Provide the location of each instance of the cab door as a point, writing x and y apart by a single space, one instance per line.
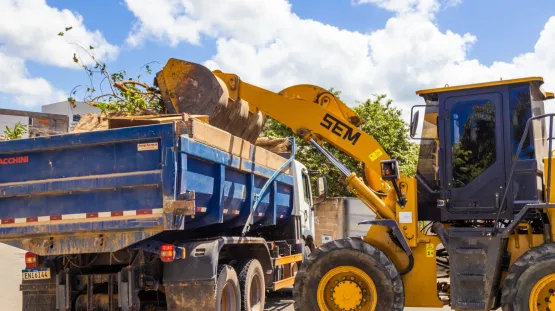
474 155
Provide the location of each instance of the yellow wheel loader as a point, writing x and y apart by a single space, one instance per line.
479 209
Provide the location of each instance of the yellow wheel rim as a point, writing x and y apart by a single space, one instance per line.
347 288
542 296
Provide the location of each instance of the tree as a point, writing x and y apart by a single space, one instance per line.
380 119
16 132
123 94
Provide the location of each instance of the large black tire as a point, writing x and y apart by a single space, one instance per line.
253 288
350 253
523 275
228 292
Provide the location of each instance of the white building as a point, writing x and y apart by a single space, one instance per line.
36 123
74 113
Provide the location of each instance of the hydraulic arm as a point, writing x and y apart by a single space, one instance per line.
312 113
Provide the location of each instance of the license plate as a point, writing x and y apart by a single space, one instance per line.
36 274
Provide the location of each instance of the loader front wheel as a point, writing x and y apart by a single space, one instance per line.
530 281
348 274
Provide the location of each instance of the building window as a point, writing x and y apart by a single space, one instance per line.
473 137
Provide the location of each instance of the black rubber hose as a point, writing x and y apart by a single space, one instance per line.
409 266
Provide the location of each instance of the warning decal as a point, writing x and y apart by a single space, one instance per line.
376 154
430 250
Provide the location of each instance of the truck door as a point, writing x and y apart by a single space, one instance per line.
474 155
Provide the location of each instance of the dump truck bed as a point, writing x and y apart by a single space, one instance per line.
107 190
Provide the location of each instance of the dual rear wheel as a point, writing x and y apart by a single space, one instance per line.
241 287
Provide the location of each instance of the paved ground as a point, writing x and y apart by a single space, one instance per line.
283 301
12 260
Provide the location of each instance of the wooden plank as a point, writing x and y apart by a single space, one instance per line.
119 122
288 282
267 158
288 259
220 139
199 130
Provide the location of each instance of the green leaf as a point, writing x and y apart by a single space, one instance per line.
61 34
75 59
69 28
91 47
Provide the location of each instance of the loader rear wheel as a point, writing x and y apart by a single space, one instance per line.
530 281
348 274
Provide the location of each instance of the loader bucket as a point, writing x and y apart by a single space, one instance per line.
192 88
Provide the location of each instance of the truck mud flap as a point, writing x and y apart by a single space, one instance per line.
191 296
38 295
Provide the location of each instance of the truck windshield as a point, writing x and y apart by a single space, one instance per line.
306 188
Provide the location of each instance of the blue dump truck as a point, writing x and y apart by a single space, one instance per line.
149 218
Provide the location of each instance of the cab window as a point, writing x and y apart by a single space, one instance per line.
520 111
428 164
473 137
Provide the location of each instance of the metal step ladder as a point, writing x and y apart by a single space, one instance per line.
475 257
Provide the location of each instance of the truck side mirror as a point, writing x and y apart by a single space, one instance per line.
322 187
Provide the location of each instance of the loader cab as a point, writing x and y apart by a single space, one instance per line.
468 137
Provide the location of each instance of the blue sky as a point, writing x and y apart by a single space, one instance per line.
362 47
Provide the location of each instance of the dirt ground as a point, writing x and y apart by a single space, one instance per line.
12 261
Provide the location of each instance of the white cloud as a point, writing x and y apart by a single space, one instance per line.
175 21
29 30
272 47
27 91
404 6
28 33
428 7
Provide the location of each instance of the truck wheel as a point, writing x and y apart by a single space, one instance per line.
348 274
251 280
228 294
530 281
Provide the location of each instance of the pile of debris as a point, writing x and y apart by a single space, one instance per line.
99 122
275 145
193 89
